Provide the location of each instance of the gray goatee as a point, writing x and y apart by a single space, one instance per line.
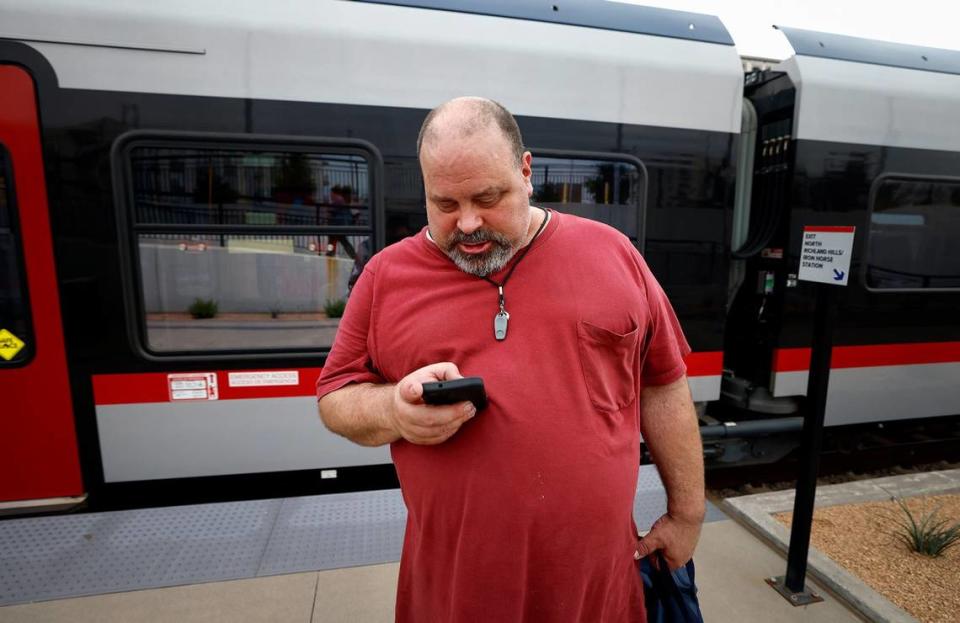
485 263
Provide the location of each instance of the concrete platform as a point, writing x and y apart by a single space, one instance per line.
731 567
313 559
356 594
85 554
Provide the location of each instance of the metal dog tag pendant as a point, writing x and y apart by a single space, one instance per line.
500 325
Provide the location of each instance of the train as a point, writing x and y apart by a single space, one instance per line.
187 195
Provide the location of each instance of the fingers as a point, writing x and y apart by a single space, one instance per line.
646 546
676 541
426 424
444 371
673 563
442 433
429 425
411 386
435 421
411 391
651 541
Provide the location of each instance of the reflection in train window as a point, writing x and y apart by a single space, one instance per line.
247 250
914 226
609 191
15 331
241 293
229 187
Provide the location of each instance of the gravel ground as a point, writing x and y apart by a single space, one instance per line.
860 538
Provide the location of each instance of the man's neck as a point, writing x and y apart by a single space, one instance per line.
535 223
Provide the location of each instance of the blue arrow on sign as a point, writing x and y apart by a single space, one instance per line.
838 275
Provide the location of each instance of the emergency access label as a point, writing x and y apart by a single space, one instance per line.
825 254
263 378
193 386
10 345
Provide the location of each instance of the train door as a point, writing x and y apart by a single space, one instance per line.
39 459
760 234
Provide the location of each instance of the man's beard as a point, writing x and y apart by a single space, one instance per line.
483 264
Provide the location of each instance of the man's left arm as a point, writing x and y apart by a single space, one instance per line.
672 434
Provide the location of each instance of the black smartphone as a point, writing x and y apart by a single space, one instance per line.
450 392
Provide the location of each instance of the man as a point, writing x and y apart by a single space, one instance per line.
523 511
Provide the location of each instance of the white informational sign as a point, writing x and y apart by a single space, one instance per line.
825 254
265 378
193 386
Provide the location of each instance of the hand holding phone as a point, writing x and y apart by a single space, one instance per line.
412 417
458 390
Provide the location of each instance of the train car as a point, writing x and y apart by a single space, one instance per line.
862 134
190 195
187 196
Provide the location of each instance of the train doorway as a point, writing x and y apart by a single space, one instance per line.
38 441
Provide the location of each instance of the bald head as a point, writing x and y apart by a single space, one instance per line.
465 116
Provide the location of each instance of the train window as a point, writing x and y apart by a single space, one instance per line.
245 249
914 225
604 188
15 331
220 187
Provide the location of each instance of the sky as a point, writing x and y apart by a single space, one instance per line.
930 23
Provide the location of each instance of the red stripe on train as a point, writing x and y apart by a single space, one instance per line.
115 389
708 363
914 353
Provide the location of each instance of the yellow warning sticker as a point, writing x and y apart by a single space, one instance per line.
10 345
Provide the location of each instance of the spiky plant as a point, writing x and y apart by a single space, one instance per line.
927 535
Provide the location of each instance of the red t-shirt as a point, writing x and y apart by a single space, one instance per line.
525 514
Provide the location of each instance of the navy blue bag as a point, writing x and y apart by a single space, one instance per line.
670 596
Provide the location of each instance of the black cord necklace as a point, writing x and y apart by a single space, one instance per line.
500 320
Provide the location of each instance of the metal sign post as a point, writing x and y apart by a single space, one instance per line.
825 259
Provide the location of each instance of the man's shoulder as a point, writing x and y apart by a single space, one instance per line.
594 232
406 250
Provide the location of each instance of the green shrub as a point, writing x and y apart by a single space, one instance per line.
334 309
927 534
203 308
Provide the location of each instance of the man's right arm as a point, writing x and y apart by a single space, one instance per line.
374 415
359 413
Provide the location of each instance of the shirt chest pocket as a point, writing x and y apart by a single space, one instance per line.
609 363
